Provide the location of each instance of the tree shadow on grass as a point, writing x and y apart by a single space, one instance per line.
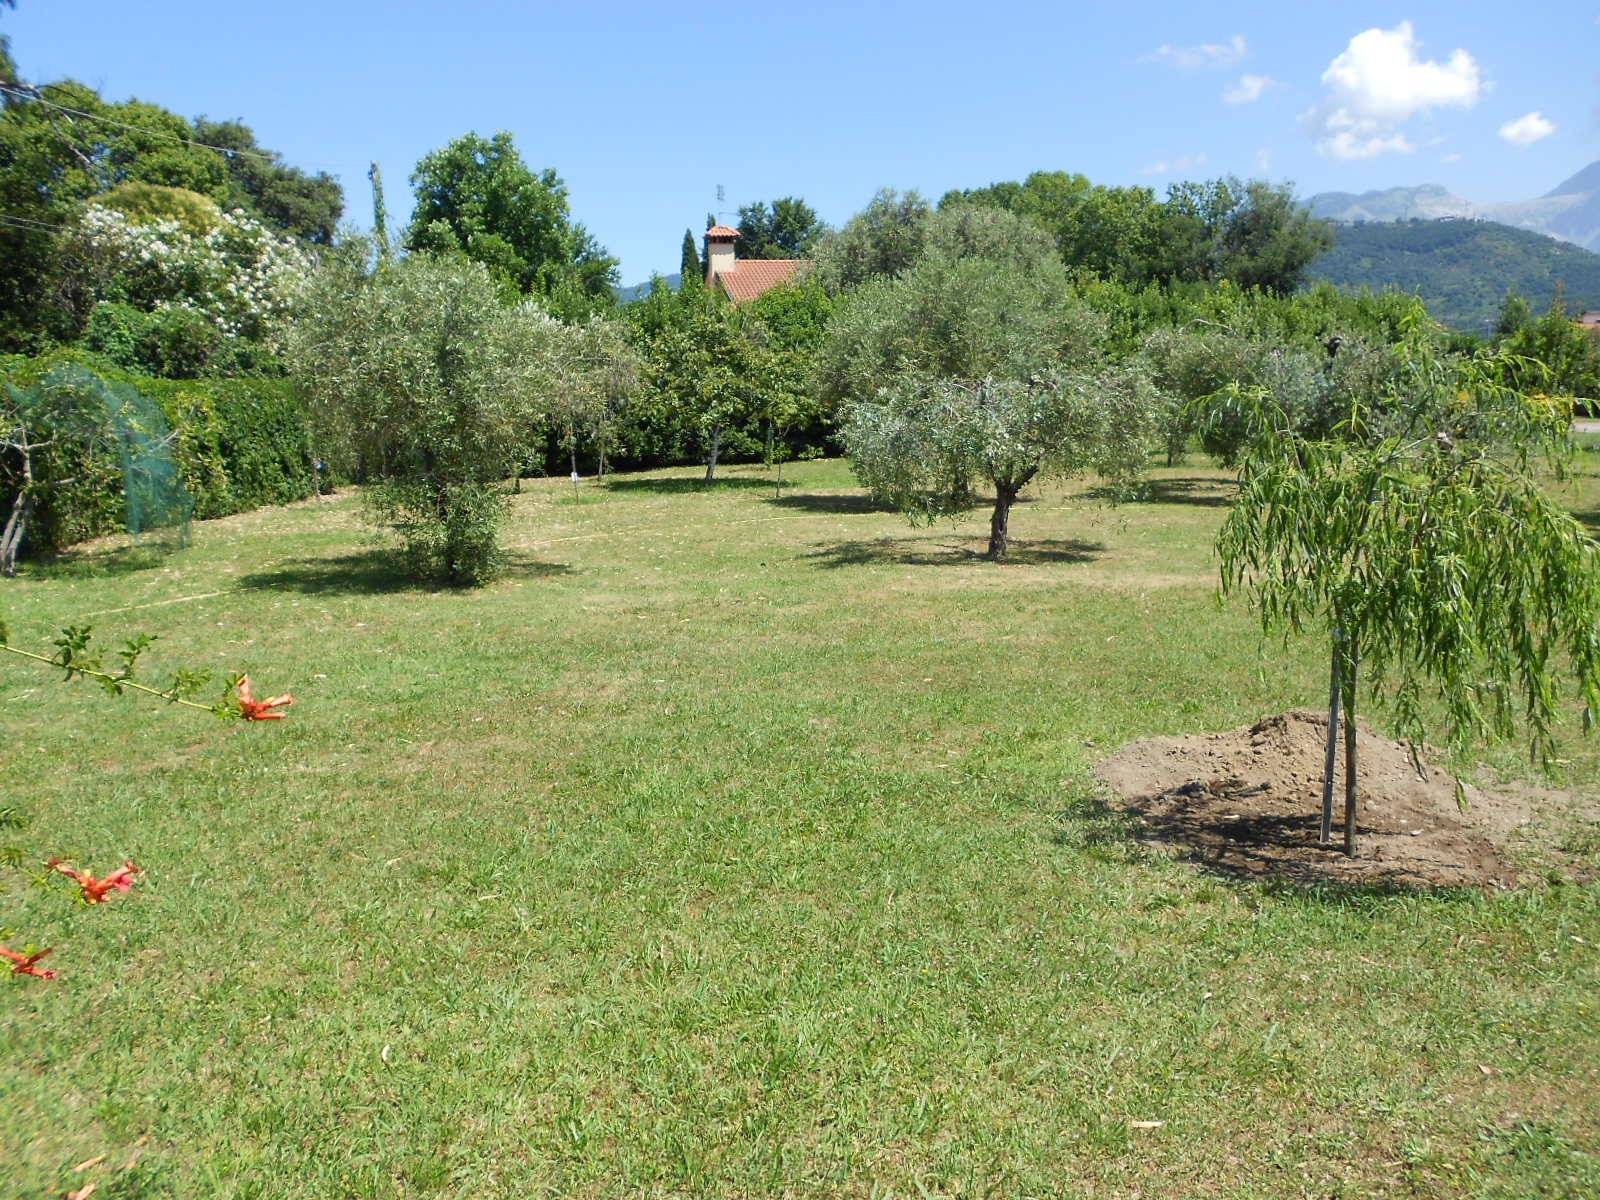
371 572
1589 519
683 486
101 561
1258 858
1200 490
1269 852
900 552
832 502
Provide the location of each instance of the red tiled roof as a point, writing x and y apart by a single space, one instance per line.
749 277
721 231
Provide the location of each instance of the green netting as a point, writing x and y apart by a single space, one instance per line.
156 500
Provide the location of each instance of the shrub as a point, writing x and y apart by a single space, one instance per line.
418 373
237 444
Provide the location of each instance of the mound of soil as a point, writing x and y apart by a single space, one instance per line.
1249 802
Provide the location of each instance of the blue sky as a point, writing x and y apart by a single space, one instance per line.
645 108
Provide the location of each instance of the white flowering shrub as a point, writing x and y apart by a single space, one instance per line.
241 276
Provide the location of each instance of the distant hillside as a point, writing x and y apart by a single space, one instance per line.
1461 268
1569 211
638 291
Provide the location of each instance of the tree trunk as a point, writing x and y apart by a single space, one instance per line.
711 458
1350 749
769 443
601 473
11 537
1334 696
21 507
1000 521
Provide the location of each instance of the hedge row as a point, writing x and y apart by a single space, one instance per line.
239 444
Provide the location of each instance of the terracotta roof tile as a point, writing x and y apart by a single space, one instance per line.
749 277
721 231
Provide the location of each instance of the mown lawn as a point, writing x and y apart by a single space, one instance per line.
742 848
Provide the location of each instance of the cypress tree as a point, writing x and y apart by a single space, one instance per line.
691 268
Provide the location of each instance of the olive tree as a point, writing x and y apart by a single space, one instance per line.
988 297
433 389
592 371
1417 535
919 443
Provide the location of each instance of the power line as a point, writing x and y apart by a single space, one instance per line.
27 223
29 92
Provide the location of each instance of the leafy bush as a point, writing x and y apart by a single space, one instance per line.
237 444
420 375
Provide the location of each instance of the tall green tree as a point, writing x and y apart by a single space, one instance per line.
302 205
788 228
702 381
690 268
477 198
987 296
882 239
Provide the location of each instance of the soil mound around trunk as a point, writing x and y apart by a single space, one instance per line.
1248 802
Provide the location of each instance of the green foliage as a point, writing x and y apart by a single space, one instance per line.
689 267
51 161
421 380
702 388
1417 534
1006 313
1568 353
918 444
147 203
477 199
1461 269
302 205
883 239
236 444
1252 233
788 229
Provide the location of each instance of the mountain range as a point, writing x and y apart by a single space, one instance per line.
1570 211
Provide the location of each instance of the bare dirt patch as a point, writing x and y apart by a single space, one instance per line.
1248 802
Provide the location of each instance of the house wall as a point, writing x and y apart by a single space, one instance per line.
719 257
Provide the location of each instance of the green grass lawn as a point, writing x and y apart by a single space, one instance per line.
734 847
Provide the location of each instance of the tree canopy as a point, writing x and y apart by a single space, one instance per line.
67 145
477 198
788 228
1253 233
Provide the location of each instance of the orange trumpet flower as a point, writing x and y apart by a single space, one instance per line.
96 891
252 709
23 964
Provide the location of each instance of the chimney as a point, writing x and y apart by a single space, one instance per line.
719 251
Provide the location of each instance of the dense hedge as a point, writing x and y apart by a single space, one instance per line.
240 444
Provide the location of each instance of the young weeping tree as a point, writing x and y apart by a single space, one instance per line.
919 443
1418 538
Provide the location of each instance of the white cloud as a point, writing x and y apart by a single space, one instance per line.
1264 160
1250 88
1207 54
1173 166
1453 157
1528 129
1377 83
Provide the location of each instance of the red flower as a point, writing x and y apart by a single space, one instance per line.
24 963
95 891
252 709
